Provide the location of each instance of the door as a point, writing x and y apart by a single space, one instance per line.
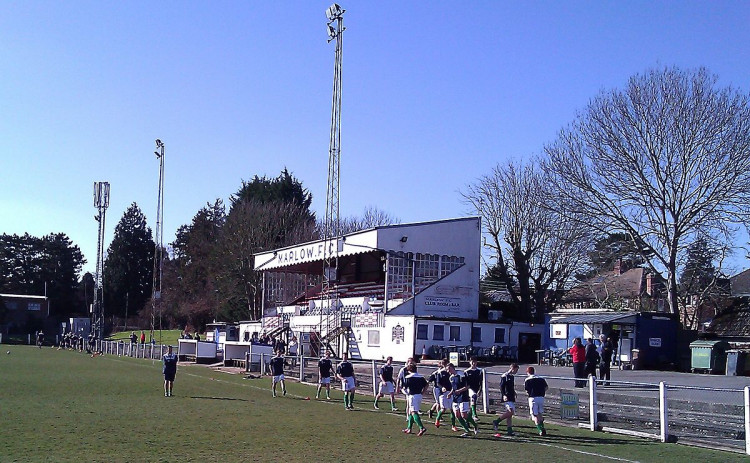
528 343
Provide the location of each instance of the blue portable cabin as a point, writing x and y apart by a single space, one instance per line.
652 334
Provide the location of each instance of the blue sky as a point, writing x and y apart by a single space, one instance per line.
434 95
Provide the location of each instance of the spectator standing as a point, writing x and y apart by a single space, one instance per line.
536 387
592 359
293 346
578 352
143 337
606 351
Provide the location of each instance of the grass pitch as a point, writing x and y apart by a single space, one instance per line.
63 406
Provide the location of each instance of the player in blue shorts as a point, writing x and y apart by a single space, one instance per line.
277 369
170 370
386 384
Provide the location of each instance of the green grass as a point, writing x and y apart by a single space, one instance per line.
65 406
168 337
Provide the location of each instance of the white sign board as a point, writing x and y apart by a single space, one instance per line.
453 358
654 342
558 331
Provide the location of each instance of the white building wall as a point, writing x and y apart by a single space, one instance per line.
396 339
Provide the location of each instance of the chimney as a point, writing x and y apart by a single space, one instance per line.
618 267
650 284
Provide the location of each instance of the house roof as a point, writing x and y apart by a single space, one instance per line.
626 285
734 322
740 284
607 317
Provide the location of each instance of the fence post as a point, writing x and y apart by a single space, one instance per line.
374 382
301 361
485 395
247 361
663 423
262 362
747 420
593 421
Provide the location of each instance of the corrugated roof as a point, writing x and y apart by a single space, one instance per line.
740 284
597 318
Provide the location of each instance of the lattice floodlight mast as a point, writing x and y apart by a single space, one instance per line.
159 243
332 224
101 203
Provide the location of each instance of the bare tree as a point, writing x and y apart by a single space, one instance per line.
666 160
372 217
252 227
537 248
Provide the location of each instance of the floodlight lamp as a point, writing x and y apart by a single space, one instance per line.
331 31
334 12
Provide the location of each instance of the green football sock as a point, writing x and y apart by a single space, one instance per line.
463 424
471 421
474 411
418 419
440 414
410 422
376 401
453 418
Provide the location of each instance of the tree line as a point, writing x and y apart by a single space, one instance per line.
660 168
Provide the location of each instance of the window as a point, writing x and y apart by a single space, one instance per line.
34 306
499 335
373 337
455 333
421 331
476 334
437 333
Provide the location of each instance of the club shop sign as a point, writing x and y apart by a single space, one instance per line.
306 253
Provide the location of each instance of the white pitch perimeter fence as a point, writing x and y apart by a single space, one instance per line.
711 417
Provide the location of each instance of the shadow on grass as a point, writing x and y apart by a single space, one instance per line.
218 398
530 434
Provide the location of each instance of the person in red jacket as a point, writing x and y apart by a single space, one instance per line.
579 360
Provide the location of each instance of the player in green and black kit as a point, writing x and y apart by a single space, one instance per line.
474 380
386 384
345 372
414 385
508 393
325 367
277 368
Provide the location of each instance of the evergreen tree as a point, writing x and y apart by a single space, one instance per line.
33 266
613 248
128 267
189 295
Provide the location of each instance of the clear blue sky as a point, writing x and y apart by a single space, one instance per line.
434 95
